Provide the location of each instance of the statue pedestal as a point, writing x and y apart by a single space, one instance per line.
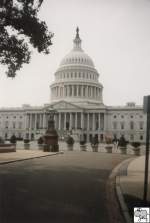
51 138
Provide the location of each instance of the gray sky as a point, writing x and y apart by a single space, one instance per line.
114 33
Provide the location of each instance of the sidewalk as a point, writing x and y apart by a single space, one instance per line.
21 155
130 184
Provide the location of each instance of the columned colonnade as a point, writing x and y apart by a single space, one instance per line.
76 91
67 121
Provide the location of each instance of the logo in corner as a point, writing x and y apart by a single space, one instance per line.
141 214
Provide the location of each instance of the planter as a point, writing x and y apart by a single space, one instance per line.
108 149
26 145
83 147
50 148
123 150
7 148
40 146
136 151
94 148
70 147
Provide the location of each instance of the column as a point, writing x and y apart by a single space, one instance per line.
41 123
35 121
93 127
98 93
55 120
68 90
82 91
59 125
70 122
99 121
25 121
56 91
30 121
72 90
86 91
65 121
82 120
39 120
77 90
76 119
88 121
44 121
105 122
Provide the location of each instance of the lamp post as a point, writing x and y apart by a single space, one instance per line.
146 110
51 136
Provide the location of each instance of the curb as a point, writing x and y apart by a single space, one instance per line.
123 206
121 200
115 213
30 158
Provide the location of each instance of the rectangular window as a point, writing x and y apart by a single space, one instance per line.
141 137
20 125
14 125
131 137
114 125
122 125
141 125
6 124
132 125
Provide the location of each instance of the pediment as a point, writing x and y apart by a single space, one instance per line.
65 105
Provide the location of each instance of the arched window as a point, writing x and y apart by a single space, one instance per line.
75 90
131 125
79 92
84 91
70 90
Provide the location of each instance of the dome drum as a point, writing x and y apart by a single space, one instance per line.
73 91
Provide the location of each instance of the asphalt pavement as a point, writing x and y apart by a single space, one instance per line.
69 188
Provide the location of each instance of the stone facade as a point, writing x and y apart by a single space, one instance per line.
76 95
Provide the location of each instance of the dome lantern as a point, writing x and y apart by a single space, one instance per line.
77 41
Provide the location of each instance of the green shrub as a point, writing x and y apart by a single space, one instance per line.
2 140
40 140
70 140
82 142
122 142
13 139
135 144
108 140
26 140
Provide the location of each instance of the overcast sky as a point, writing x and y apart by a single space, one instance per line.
114 33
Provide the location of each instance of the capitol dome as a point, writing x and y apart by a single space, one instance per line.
76 78
77 57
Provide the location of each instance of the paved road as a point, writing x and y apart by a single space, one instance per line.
67 188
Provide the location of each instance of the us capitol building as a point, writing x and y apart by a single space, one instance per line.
77 96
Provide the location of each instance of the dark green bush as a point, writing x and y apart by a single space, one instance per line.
82 142
2 140
13 139
122 142
70 140
26 140
40 140
135 144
